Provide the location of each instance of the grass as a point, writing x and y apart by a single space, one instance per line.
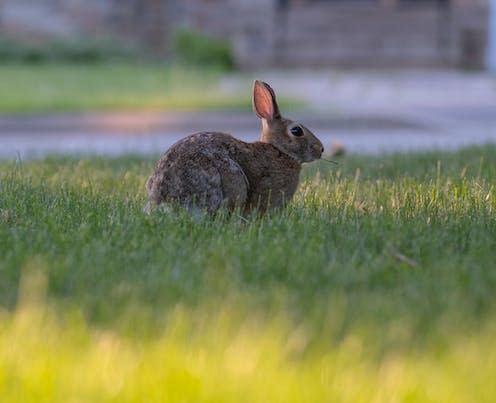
377 283
59 87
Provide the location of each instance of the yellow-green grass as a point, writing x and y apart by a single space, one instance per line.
28 88
203 356
377 283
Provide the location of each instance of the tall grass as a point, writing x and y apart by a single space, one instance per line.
376 284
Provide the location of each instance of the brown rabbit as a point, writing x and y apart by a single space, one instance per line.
210 170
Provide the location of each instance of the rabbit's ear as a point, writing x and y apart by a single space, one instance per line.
264 101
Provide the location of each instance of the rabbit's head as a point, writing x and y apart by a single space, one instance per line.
288 136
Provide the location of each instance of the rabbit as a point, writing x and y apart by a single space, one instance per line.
211 170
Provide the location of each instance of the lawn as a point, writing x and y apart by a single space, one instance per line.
378 283
58 87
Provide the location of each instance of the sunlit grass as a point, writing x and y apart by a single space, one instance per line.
377 283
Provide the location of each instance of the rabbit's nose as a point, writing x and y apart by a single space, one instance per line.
318 148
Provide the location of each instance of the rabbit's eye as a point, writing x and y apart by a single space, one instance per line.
297 131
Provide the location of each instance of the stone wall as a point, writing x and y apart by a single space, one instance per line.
268 33
45 18
356 34
138 21
373 34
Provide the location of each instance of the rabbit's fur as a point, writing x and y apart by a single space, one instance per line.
211 170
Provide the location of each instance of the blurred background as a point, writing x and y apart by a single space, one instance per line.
112 76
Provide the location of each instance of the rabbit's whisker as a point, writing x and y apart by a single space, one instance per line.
330 161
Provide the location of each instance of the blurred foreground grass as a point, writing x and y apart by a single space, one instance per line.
378 283
75 87
207 357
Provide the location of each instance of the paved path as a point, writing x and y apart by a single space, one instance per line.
366 112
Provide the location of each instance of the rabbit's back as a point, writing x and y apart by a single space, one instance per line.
200 171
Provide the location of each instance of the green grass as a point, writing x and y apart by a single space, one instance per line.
377 283
75 87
